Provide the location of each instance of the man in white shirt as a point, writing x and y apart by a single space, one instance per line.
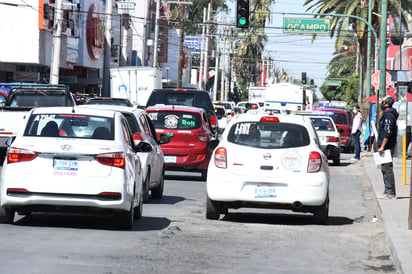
356 130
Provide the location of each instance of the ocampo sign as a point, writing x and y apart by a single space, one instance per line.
303 25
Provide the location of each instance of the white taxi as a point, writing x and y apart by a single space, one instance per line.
270 161
73 159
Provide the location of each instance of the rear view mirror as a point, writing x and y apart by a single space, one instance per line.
164 139
144 147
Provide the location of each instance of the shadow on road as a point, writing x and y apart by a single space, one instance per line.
283 219
79 221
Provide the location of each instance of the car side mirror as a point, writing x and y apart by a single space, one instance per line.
164 139
144 147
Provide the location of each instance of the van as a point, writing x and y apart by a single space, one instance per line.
185 97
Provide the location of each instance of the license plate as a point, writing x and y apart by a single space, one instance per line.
67 165
262 191
170 159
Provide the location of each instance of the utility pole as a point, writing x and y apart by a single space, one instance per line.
206 68
382 76
202 48
156 34
107 49
181 51
57 33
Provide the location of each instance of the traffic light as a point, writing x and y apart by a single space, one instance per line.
242 14
304 80
312 83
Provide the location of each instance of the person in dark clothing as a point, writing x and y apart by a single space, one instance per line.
387 135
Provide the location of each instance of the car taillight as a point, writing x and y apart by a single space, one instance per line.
221 158
16 155
332 139
315 162
115 159
232 113
213 121
203 136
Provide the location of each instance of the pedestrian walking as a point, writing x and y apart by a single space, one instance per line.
387 134
356 131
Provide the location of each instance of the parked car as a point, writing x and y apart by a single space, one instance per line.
190 135
150 154
222 119
343 121
73 159
270 161
109 101
186 97
329 137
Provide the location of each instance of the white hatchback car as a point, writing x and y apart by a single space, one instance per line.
271 162
329 137
73 159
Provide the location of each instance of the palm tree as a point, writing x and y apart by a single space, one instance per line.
340 26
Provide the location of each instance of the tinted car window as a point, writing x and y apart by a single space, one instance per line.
220 112
340 118
70 126
175 120
268 135
112 102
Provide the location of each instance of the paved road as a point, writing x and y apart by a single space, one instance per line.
175 237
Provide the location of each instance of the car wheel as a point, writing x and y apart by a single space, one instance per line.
336 160
138 211
146 188
6 215
203 176
213 209
157 192
321 213
126 219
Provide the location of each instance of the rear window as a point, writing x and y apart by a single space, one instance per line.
269 135
322 124
110 102
70 126
220 112
192 99
175 120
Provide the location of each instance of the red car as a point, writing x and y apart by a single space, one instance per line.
190 135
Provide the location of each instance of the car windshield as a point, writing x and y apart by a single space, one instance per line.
322 124
270 135
70 126
175 120
116 102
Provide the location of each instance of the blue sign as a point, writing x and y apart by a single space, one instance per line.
193 43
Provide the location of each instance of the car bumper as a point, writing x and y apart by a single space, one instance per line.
51 192
308 190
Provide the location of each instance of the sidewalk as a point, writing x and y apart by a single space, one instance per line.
395 212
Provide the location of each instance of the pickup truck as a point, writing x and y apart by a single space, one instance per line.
21 99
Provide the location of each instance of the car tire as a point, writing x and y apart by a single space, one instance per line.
138 210
126 219
336 160
145 188
321 213
213 209
203 176
157 192
6 215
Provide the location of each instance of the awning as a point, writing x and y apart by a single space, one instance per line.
390 92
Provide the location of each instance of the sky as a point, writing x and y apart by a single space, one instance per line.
296 53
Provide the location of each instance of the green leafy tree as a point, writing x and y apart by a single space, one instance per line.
341 26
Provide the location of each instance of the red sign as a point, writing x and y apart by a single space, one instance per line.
95 32
376 79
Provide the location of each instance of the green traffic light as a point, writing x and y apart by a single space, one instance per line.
242 21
